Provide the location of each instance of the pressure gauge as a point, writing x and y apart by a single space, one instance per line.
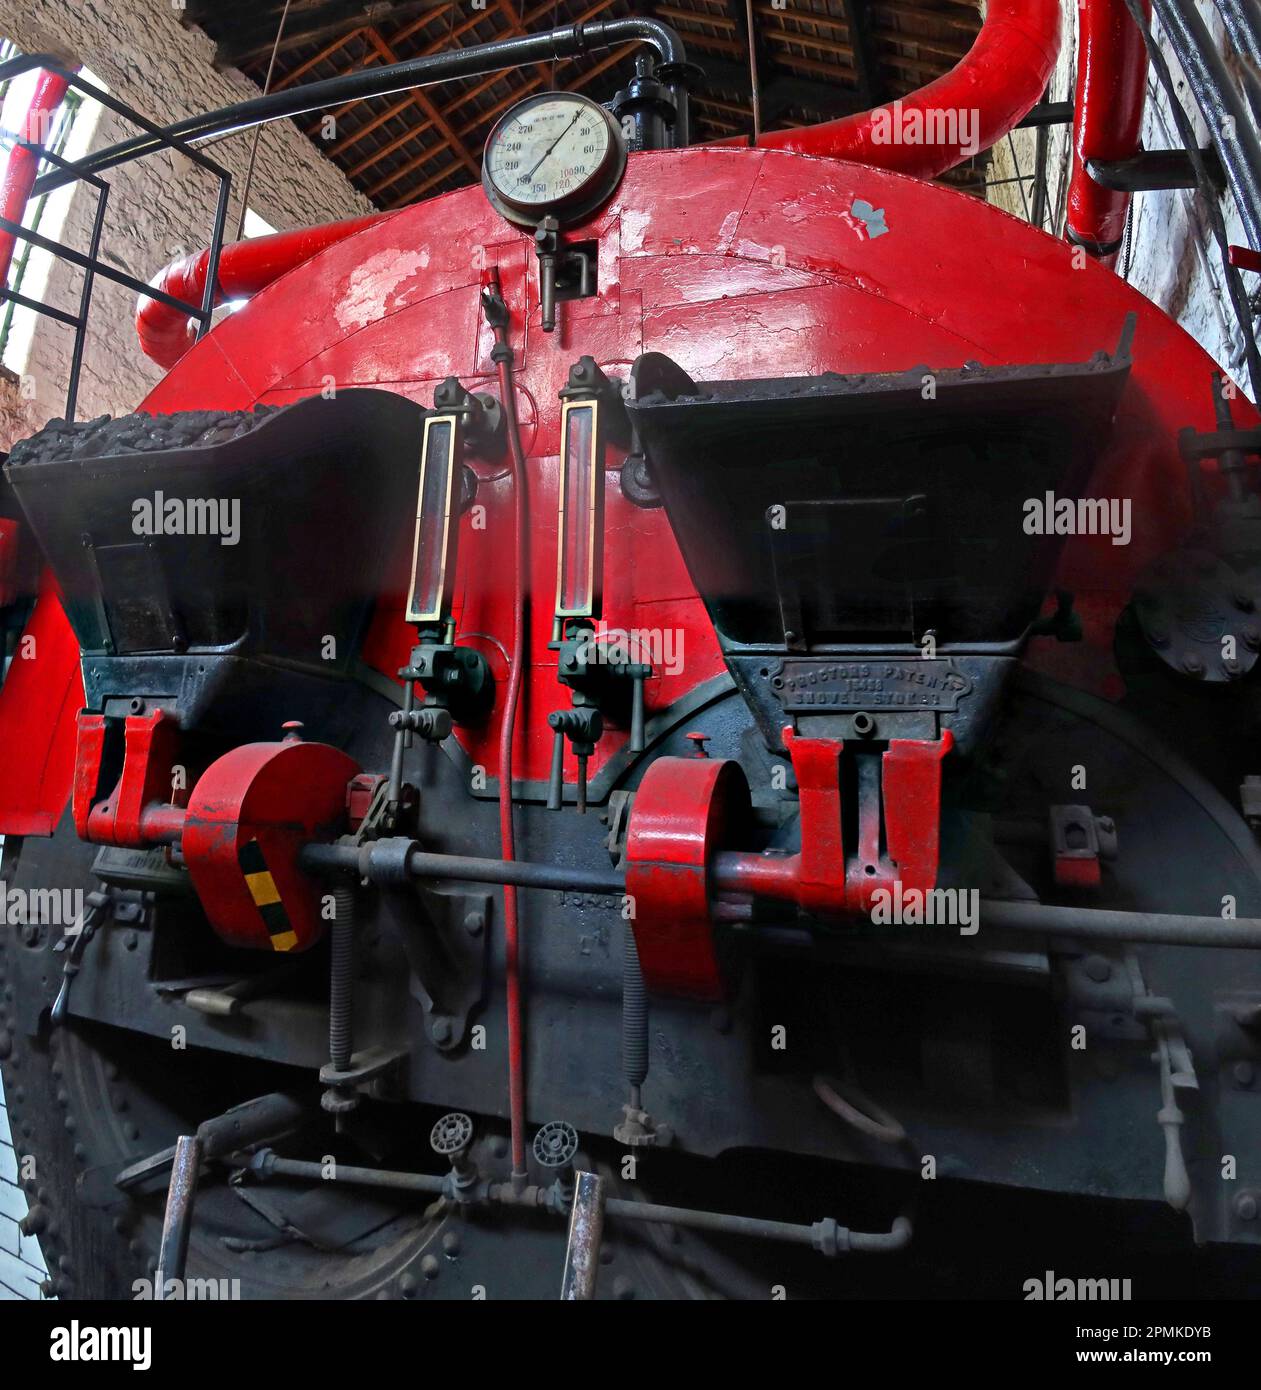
556 155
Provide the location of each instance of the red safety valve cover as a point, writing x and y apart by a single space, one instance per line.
249 816
686 809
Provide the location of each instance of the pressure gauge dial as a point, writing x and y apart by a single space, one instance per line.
557 155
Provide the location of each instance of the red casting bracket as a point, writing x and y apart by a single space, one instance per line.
819 879
688 810
139 810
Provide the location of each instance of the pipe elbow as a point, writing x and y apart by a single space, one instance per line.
166 333
1107 121
245 267
983 97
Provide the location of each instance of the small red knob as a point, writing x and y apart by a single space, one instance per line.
292 730
699 741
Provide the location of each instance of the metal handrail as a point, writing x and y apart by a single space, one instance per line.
67 171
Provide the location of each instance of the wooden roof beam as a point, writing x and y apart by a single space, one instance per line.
427 108
302 27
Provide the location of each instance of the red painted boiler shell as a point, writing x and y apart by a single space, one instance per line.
737 263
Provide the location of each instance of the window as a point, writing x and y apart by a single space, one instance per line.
70 136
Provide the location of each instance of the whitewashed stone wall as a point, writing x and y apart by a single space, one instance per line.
1173 259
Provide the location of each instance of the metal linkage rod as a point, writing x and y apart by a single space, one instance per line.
393 861
367 862
1098 924
568 41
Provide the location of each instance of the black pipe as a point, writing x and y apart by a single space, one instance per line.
1243 24
1212 207
826 1236
862 1242
267 1165
567 41
1152 171
1229 123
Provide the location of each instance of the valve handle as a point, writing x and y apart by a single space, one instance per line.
556 780
452 1134
584 727
637 741
555 1144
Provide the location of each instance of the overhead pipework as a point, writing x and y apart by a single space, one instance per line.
999 81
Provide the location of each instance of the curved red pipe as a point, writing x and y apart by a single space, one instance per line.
23 164
1108 116
245 268
985 95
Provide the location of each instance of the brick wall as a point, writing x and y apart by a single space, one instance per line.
159 208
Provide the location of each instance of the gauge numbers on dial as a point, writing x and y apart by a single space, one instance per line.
557 155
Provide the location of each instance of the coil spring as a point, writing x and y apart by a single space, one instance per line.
634 1014
341 977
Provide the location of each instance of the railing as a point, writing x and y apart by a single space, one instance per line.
91 262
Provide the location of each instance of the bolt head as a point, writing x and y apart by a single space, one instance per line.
1098 968
339 1101
35 1221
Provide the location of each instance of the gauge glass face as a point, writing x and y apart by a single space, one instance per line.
548 151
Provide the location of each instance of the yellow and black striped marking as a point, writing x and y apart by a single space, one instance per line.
262 888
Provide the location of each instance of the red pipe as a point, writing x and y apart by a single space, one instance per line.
245 268
503 358
1108 116
985 95
23 164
